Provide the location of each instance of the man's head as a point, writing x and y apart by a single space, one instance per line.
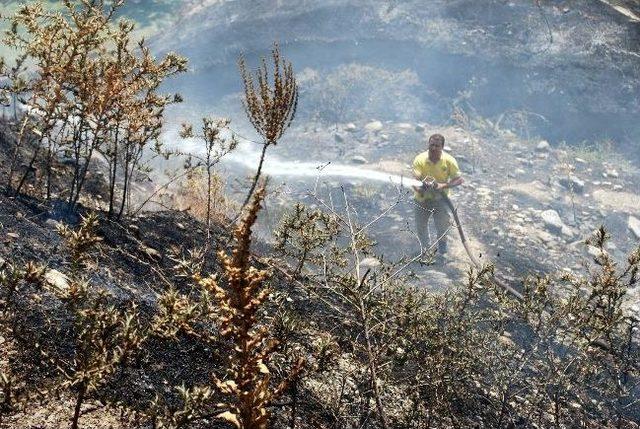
436 145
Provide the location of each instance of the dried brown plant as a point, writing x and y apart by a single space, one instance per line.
270 109
91 90
249 377
217 145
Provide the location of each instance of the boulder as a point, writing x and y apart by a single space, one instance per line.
634 226
350 127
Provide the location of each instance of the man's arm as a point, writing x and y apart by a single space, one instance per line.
456 181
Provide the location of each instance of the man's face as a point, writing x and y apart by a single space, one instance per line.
435 150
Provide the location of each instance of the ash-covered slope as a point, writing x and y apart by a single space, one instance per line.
574 63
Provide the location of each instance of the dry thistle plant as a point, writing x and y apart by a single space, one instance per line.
249 379
212 313
270 109
217 145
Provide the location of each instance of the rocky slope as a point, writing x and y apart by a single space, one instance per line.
575 64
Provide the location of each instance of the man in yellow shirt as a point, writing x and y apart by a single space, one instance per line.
439 171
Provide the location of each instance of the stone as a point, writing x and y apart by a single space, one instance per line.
370 262
545 236
358 159
618 187
151 252
350 127
57 279
180 226
552 221
52 223
13 235
373 126
594 251
543 146
338 138
572 183
612 173
634 226
419 128
567 231
580 161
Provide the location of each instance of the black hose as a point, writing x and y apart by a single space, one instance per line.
477 264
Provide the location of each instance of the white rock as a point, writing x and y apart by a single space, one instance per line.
572 183
634 225
56 279
552 221
359 160
351 127
370 262
373 127
543 146
613 173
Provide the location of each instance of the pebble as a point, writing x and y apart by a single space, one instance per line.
370 262
373 126
358 159
543 146
572 183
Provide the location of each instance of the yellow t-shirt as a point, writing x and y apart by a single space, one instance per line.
443 171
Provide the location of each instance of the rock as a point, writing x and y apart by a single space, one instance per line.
56 279
2 262
370 262
350 127
543 146
580 161
151 252
180 226
419 128
545 236
567 231
594 251
359 160
13 235
573 184
552 221
612 173
374 126
618 187
52 223
338 138
634 226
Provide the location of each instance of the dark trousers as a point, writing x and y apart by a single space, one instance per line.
424 210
